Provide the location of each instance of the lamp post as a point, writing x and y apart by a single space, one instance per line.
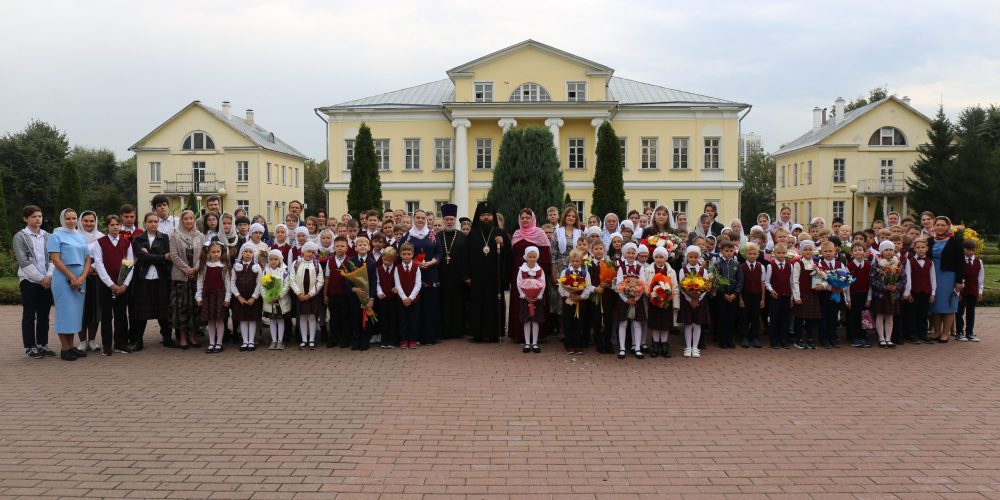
854 189
222 198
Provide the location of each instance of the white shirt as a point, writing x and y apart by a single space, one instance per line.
38 270
926 261
102 273
167 225
416 283
151 274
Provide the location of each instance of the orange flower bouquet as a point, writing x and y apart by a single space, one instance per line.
661 291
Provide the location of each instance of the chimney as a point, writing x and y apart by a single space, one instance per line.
250 117
227 110
838 107
817 118
906 99
824 116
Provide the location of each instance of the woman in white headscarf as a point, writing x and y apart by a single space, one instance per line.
68 250
610 227
186 246
87 227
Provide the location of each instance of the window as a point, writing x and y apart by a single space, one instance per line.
530 92
197 141
411 154
576 91
484 91
886 173
809 211
839 169
623 144
809 172
650 204
783 175
442 154
484 153
795 174
838 209
579 207
269 213
680 152
382 154
197 173
242 171
712 152
680 206
887 136
296 176
437 206
154 171
576 160
795 211
648 153
386 205
284 175
244 204
348 153
268 172
412 206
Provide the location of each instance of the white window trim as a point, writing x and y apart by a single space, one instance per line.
586 90
583 153
677 211
451 154
408 157
843 177
240 171
492 90
388 154
352 150
269 173
655 150
687 153
624 151
718 153
159 172
476 153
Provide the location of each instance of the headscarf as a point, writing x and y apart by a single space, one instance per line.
247 246
652 223
692 249
530 250
257 227
605 234
592 230
628 245
62 222
701 231
309 246
421 233
809 244
186 237
742 235
661 251
277 253
886 245
301 230
92 236
231 238
531 233
287 237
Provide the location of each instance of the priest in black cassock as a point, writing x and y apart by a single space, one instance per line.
489 260
453 272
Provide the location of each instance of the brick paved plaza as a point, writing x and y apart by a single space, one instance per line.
486 420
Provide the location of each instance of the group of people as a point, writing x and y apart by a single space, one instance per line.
400 280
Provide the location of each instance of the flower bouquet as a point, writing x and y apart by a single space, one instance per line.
532 289
661 291
632 288
670 242
970 234
891 274
818 277
607 272
791 257
694 286
123 271
272 287
575 284
839 279
716 280
419 258
358 276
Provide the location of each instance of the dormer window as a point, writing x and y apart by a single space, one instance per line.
530 92
197 141
887 136
483 91
576 91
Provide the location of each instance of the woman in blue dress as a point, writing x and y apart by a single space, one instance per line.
425 243
949 270
68 250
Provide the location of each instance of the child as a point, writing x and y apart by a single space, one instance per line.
245 283
306 284
361 331
829 309
378 245
921 285
34 271
574 305
629 309
261 248
407 279
109 253
693 313
752 297
805 297
661 319
778 282
860 267
242 230
213 292
324 254
972 294
886 296
727 297
336 296
279 307
602 316
387 305
531 320
301 238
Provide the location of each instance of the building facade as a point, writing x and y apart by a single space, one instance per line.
208 151
438 142
847 164
750 143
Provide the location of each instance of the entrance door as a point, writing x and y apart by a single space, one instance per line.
887 174
197 175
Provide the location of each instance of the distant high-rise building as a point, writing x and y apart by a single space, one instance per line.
750 143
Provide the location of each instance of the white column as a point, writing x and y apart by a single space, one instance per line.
462 165
885 207
864 212
904 213
554 124
596 123
506 123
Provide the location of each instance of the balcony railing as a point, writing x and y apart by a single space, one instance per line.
186 183
882 186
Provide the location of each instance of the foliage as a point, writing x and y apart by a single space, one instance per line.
567 200
758 192
70 195
106 182
314 179
609 183
5 232
930 187
365 191
874 95
527 173
29 162
191 203
879 211
8 265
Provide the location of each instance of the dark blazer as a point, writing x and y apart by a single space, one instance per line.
953 258
371 270
152 255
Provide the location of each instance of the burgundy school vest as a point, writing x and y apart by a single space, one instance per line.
213 280
751 278
805 280
386 279
629 270
407 280
113 255
920 276
972 277
336 284
781 279
862 275
284 249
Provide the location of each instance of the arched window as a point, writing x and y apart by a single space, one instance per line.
196 141
530 92
887 136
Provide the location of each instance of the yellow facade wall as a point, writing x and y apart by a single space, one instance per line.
533 65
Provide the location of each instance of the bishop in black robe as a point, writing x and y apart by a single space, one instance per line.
489 262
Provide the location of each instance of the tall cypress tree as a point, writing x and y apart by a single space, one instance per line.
527 173
192 202
609 183
365 191
70 195
929 184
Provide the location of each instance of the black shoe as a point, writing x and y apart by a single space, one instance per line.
79 352
621 354
756 343
638 354
745 343
655 353
44 349
106 351
169 343
68 355
666 349
535 349
527 349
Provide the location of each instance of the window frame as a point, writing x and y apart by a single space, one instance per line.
680 160
384 161
839 167
680 206
809 172
269 173
411 155
580 205
242 171
894 134
795 174
411 210
296 176
244 204
206 141
578 97
652 204
580 153
443 150
649 152
537 93
284 175
710 157
623 147
843 211
349 147
269 213
476 91
782 179
484 153
156 168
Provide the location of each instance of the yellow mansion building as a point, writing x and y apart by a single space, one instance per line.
209 151
845 165
438 142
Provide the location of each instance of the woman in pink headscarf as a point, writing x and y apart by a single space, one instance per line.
527 235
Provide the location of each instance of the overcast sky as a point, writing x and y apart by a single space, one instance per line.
108 72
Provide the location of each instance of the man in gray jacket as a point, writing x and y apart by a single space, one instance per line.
34 270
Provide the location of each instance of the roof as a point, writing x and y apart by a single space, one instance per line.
260 136
815 136
593 66
626 92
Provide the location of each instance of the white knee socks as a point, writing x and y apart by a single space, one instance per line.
307 324
249 330
277 330
530 333
883 325
692 335
215 330
636 335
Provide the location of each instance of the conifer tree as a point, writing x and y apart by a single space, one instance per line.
365 191
609 182
929 181
70 195
527 173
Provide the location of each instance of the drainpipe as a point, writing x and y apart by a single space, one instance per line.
327 135
739 128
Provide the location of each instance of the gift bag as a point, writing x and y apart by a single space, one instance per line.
867 322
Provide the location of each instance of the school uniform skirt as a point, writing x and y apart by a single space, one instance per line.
809 309
152 298
887 304
183 308
621 311
312 306
213 306
661 319
693 316
91 301
541 306
69 302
